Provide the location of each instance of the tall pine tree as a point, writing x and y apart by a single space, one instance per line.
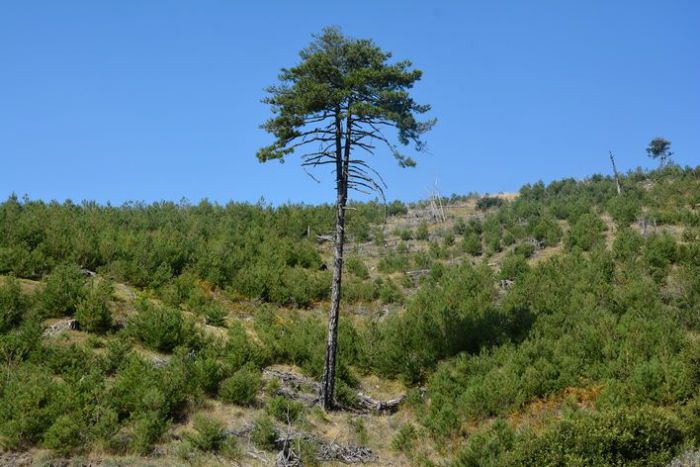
335 108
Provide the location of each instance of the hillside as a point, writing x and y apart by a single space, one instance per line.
556 326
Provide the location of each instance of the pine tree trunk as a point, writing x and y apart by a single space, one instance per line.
342 177
328 382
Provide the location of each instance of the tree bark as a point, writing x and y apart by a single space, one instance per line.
342 161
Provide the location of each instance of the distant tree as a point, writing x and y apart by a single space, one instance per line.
660 149
341 98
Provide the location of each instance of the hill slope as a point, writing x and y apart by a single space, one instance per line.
560 325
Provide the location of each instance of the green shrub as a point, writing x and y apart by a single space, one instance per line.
264 434
355 290
360 430
661 251
405 234
284 410
64 289
394 261
586 233
634 437
627 244
547 231
513 267
148 428
13 305
625 209
64 436
460 226
449 239
159 327
355 266
30 403
209 434
422 232
526 249
471 244
404 439
488 202
208 372
214 314
241 388
93 313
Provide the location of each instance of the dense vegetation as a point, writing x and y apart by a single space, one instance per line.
562 327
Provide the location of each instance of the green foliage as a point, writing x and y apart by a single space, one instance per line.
659 148
264 433
660 253
355 266
591 354
209 434
30 403
471 244
445 318
65 288
159 327
284 410
242 387
586 233
13 305
214 314
625 209
337 72
422 232
405 439
93 313
64 436
636 437
488 202
394 261
513 267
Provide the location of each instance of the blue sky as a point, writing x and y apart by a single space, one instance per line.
128 100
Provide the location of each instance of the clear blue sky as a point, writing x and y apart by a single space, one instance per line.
159 100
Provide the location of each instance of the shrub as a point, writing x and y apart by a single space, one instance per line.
264 434
93 313
404 439
148 427
64 289
214 314
30 402
241 388
634 437
355 266
12 304
488 202
547 230
526 249
586 232
471 244
460 227
284 410
513 267
159 327
65 435
422 232
209 434
449 239
624 209
404 234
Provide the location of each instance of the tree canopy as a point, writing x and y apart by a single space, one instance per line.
344 88
659 148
